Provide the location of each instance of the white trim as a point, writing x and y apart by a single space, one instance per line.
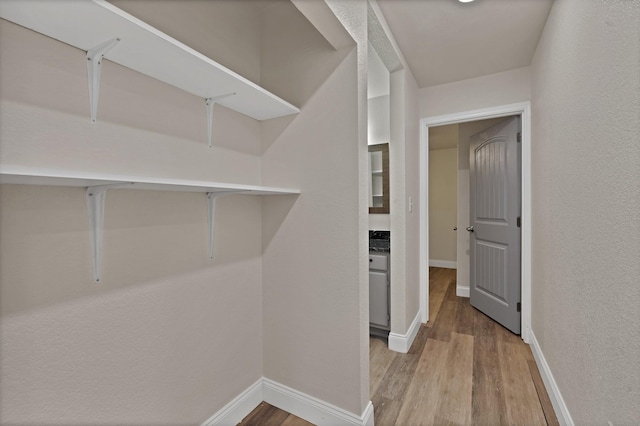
60 177
295 402
524 110
462 291
559 406
367 415
449 264
402 342
312 409
423 255
239 407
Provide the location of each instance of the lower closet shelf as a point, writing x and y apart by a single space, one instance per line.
97 185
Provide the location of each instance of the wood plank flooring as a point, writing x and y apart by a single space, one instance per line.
268 415
462 369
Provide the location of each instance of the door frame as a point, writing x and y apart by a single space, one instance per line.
523 109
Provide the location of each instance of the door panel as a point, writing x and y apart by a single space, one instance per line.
495 209
492 279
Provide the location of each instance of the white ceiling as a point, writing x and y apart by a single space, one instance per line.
445 40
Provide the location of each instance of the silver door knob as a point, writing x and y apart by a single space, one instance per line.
470 228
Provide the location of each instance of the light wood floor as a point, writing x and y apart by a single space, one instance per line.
462 369
268 415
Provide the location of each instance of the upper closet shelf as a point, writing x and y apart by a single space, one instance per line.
30 176
86 24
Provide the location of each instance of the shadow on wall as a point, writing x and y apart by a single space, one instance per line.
149 237
294 68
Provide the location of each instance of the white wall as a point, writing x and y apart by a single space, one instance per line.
482 92
314 324
379 131
377 74
379 120
412 214
586 199
353 16
227 32
403 172
168 336
379 117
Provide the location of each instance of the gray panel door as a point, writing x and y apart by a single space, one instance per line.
495 232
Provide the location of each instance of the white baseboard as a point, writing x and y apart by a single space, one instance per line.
310 408
462 291
297 403
562 412
239 407
449 264
402 342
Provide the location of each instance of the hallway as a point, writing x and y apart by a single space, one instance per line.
463 368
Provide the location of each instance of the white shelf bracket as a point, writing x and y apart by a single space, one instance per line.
95 203
211 201
210 102
94 62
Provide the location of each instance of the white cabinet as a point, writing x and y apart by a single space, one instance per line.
379 291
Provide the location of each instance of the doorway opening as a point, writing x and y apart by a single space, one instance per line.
523 111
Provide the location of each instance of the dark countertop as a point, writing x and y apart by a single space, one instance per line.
380 249
380 241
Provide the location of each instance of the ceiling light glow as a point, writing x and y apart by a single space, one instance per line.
465 1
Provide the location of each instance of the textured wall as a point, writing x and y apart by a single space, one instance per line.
586 204
144 127
352 15
397 207
312 288
443 204
475 93
378 131
377 74
412 166
169 336
227 32
378 121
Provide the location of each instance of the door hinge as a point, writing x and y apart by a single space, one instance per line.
519 137
518 222
518 307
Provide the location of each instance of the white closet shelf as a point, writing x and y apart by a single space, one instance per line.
32 176
86 24
98 184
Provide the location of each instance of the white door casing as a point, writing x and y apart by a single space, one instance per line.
522 109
